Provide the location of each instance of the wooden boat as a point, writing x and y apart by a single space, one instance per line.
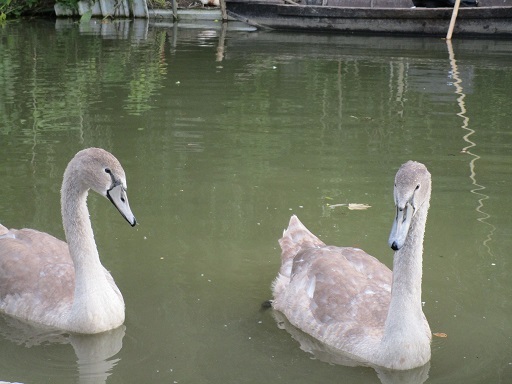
491 18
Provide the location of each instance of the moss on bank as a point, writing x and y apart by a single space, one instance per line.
17 8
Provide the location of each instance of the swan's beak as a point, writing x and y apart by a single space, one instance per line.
401 226
117 195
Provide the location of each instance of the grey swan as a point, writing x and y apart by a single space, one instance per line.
46 281
352 302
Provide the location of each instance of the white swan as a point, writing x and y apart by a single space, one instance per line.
46 281
352 302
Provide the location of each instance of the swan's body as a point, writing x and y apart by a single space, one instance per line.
352 302
46 281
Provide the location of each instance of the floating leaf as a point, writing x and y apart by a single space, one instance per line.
352 206
355 207
440 334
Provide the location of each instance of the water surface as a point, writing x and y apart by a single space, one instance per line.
223 135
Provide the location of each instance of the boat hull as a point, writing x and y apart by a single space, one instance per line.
471 21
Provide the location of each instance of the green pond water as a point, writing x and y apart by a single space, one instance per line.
223 135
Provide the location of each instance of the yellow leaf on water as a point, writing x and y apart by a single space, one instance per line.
353 206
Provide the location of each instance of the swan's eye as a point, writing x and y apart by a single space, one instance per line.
107 170
417 187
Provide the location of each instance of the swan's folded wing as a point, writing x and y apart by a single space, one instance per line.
348 286
35 268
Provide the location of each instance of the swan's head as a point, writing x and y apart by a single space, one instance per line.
99 170
412 192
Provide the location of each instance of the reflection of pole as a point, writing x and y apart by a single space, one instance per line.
459 90
222 41
478 188
452 21
174 38
340 94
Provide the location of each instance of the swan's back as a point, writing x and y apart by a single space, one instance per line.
34 284
339 295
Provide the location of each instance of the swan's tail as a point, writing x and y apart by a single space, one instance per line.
295 238
3 230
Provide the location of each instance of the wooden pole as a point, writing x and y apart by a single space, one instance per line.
223 11
174 6
452 21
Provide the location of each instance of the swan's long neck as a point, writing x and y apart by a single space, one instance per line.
80 237
405 322
95 302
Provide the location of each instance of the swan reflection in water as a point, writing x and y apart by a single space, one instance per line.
95 354
327 354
